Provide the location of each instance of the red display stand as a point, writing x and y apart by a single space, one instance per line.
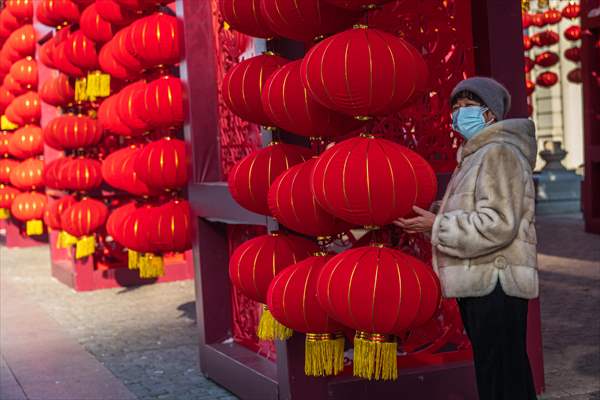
15 236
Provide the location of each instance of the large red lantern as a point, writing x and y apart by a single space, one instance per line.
122 51
546 59
70 132
81 51
305 20
112 11
571 10
57 91
28 175
21 9
547 79
163 164
109 119
29 141
27 107
7 196
385 72
136 230
51 170
28 206
84 217
356 4
62 63
255 263
94 26
573 54
23 40
292 300
13 86
379 292
296 208
573 33
371 182
287 104
7 165
575 76
57 13
118 170
246 17
25 72
250 179
55 209
171 227
157 40
81 174
130 107
552 16
110 65
114 222
243 85
163 102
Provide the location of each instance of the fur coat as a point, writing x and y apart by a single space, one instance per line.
484 230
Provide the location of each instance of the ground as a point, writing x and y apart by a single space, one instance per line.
143 341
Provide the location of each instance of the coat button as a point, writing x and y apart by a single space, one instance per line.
500 262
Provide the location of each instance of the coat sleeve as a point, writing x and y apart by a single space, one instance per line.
499 201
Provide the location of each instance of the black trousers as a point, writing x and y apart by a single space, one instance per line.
497 327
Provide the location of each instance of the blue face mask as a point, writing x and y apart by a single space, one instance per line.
469 121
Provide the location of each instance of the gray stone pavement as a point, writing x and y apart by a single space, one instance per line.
146 336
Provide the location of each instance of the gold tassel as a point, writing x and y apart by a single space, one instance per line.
375 356
86 246
133 259
270 329
151 266
323 354
34 227
4 213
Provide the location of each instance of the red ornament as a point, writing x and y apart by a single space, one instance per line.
114 222
56 13
118 170
171 227
296 208
529 87
25 72
112 11
51 172
571 11
356 4
575 76
527 43
94 26
547 79
62 63
55 209
545 38
13 86
28 206
109 119
546 59
28 141
250 179
287 104
130 106
163 164
84 217
245 16
81 174
23 40
110 65
28 175
573 33
57 91
6 167
552 16
7 196
243 85
306 20
254 264
529 64
386 72
121 50
371 182
21 9
70 132
81 51
573 54
136 230
163 102
157 40
538 20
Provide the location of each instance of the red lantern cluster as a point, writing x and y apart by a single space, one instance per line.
71 132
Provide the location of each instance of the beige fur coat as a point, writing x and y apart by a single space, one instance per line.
484 230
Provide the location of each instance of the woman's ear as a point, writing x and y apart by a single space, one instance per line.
489 116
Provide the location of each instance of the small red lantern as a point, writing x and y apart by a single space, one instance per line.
28 206
250 179
51 173
573 33
157 40
356 4
121 50
573 54
62 63
545 38
571 11
28 175
29 141
527 43
529 87
245 16
110 65
118 170
575 76
70 132
27 107
23 40
84 217
46 53
552 16
295 207
112 11
8 23
114 222
163 164
57 91
55 209
371 182
56 13
4 140
384 75
81 51
243 85
287 104
130 107
94 26
171 227
547 79
81 174
13 86
109 119
538 20
529 64
546 59
7 165
163 102
305 20
526 20
21 9
25 72
6 97
7 196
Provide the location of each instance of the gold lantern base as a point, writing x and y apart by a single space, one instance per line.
270 329
375 356
323 354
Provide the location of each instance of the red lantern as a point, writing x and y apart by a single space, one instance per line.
7 196
94 26
55 209
571 11
163 164
573 54
21 9
136 230
246 17
242 86
250 179
305 20
372 182
46 53
529 87
13 86
112 11
62 63
118 170
81 51
538 20
8 23
28 175
27 107
552 16
356 4
114 222
28 206
81 174
57 12
545 38
157 40
51 179
28 141
547 79
4 140
6 97
287 104
575 76
109 119
546 59
25 72
573 33
163 102
527 43
6 167
385 72
23 40
70 132
296 208
57 91
526 20
378 292
84 217
130 107
171 227
122 52
110 65
529 64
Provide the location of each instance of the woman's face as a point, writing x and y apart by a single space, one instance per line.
465 102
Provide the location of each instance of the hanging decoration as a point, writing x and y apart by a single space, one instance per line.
29 208
547 79
246 17
81 220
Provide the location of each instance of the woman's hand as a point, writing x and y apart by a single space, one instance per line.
422 223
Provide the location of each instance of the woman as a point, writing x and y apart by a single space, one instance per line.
483 236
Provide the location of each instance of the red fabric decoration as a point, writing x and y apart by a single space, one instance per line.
119 172
547 79
372 182
55 209
571 11
529 87
130 106
245 16
28 175
163 102
305 20
552 16
355 4
55 13
546 59
28 206
254 264
171 227
51 172
84 217
114 222
243 85
163 164
81 51
46 53
112 11
29 141
250 179
23 40
25 72
7 196
385 72
573 54
575 76
94 26
7 165
296 208
573 33
81 174
157 40
287 104
21 9
529 64
70 132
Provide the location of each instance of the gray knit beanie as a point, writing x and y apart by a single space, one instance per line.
493 93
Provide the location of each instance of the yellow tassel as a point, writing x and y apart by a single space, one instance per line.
34 227
4 213
86 246
270 329
65 240
323 354
151 266
375 356
133 259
